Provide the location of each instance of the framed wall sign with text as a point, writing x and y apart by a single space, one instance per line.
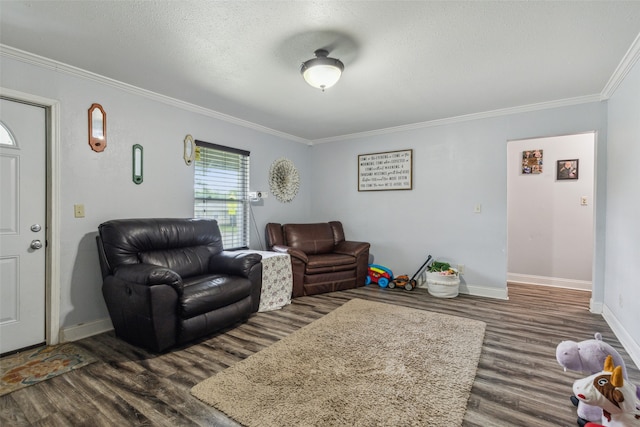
391 170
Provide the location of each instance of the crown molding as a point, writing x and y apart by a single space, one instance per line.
467 117
626 64
630 58
40 61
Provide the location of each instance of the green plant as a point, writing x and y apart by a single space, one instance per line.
439 266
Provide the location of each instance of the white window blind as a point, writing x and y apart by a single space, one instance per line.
221 187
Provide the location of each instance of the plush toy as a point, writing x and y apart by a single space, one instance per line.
588 357
611 392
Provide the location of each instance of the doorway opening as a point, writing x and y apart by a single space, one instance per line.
551 211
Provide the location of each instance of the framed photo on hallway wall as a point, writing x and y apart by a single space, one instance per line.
567 169
532 162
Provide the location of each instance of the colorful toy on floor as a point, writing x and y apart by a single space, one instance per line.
588 357
609 391
403 281
379 274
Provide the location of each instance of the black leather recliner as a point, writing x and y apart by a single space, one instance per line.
169 281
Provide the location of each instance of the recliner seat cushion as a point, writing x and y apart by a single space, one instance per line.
333 262
334 276
209 293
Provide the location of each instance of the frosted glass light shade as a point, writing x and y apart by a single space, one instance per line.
322 72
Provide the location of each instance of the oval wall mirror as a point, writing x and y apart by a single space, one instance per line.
189 150
97 128
137 164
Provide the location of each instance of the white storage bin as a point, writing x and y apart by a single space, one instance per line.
443 286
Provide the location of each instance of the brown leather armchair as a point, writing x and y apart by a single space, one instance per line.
321 259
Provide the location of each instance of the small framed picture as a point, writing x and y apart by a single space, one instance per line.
567 169
532 162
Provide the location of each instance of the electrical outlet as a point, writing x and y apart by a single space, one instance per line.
583 200
477 208
78 210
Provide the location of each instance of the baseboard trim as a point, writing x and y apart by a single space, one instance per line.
85 330
595 307
623 336
484 291
556 282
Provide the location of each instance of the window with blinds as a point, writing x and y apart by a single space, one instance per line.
221 187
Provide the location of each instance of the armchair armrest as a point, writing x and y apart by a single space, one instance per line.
234 263
149 274
351 248
295 253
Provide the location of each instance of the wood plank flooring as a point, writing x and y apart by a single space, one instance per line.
518 382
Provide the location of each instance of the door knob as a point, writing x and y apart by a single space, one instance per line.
36 244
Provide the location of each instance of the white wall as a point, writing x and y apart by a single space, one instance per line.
550 233
622 269
456 166
102 181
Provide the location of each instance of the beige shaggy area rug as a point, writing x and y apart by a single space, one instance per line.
364 364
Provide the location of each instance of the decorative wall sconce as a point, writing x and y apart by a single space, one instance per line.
189 150
97 128
137 163
284 180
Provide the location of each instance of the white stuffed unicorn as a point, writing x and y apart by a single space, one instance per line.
608 390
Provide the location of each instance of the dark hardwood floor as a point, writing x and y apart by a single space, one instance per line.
518 382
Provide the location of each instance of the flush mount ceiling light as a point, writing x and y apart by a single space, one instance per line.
322 72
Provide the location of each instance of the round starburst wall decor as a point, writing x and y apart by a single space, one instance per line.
284 180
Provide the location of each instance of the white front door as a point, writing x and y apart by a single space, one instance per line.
22 225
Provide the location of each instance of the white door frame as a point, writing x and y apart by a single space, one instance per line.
595 306
52 254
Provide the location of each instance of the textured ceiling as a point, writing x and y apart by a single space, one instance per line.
405 62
